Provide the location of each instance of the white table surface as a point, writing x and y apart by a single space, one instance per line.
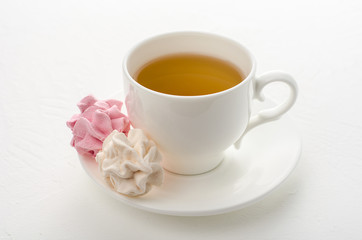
53 53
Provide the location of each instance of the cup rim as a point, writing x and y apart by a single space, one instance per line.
155 37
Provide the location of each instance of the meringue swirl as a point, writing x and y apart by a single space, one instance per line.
96 121
131 166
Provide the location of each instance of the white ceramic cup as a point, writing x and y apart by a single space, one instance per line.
192 132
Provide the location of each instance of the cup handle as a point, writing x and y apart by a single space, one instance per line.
273 113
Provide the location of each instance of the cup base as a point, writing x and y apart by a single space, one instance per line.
191 165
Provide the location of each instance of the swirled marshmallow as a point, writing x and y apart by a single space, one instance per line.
95 122
131 166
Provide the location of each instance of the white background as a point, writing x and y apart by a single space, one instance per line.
53 53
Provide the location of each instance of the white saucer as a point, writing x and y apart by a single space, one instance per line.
267 156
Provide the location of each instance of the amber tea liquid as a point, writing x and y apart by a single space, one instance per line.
188 75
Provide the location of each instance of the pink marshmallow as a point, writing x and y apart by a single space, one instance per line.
95 122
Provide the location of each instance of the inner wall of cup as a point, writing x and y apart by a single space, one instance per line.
189 42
